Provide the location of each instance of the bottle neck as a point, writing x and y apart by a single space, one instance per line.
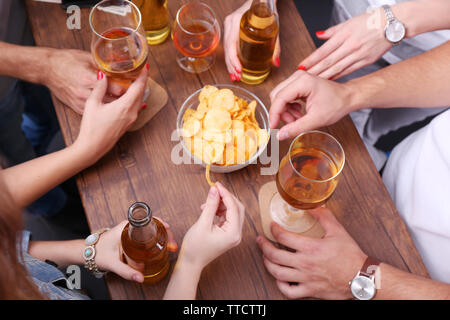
269 4
142 233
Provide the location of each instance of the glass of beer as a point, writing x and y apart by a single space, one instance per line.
118 44
155 14
306 179
196 35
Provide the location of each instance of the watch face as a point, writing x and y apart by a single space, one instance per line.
395 31
363 288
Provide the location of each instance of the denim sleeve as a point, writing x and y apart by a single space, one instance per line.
25 240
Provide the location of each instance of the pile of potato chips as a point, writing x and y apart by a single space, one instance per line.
223 130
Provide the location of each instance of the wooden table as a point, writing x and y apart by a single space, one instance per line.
139 167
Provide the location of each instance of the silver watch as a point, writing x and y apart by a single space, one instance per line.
395 30
363 285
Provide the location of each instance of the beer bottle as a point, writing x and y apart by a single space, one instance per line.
144 243
155 17
257 37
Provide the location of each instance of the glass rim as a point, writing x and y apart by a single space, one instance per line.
177 18
121 38
332 138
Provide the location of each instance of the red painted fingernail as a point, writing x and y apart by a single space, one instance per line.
99 75
147 66
144 107
277 61
237 70
232 77
301 67
320 33
238 77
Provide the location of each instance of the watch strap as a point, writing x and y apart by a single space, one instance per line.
369 267
389 14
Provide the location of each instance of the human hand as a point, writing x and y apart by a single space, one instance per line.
109 255
326 103
71 76
218 229
350 46
103 124
321 268
231 27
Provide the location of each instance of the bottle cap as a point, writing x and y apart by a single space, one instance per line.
139 214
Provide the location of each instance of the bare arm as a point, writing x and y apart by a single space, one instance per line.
422 82
327 274
69 74
423 16
26 63
360 41
183 282
30 180
401 285
63 253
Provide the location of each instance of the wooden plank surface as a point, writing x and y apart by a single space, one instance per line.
139 167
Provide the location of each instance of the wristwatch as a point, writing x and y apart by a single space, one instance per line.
363 284
395 30
89 252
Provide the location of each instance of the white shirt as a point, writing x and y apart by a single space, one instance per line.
417 176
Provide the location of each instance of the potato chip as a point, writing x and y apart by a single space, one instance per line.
263 137
188 114
218 152
217 119
202 109
191 127
208 178
223 129
206 92
218 136
238 125
223 98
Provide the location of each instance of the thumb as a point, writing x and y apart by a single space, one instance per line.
276 53
100 88
326 219
211 206
127 272
293 129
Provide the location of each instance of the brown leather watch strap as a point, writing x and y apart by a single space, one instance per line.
369 267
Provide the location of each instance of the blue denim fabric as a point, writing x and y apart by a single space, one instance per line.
50 281
41 124
13 143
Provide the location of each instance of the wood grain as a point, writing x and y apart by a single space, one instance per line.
139 167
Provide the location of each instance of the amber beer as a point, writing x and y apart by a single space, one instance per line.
144 243
303 185
257 37
119 65
202 43
155 16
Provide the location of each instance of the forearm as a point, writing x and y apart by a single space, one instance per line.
421 82
423 16
400 285
183 282
29 181
25 63
63 253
